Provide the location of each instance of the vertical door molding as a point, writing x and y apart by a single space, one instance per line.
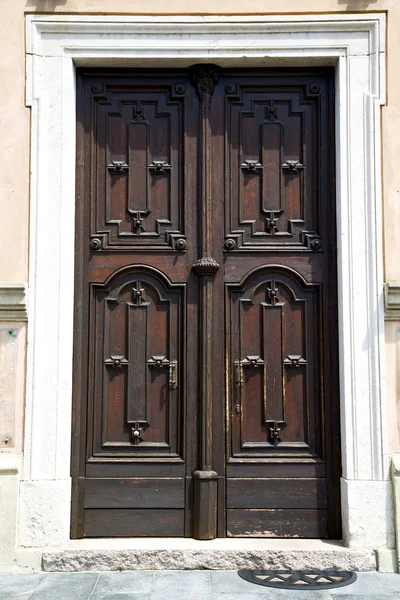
205 78
355 44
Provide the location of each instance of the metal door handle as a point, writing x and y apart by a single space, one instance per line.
173 374
161 362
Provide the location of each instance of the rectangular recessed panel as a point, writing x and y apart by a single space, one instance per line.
277 523
135 469
276 493
102 522
275 470
134 493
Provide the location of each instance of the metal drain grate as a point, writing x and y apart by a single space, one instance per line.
299 580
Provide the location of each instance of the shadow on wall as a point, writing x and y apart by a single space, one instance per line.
45 5
48 5
357 4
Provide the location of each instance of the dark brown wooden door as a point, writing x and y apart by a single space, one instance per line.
205 378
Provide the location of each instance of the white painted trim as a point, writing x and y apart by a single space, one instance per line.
355 43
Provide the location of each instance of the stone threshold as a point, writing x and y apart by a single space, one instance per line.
127 554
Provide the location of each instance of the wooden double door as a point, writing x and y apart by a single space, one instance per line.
205 365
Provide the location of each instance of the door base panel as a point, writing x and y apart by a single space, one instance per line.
258 522
129 522
227 554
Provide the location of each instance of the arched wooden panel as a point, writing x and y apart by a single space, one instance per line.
275 365
137 347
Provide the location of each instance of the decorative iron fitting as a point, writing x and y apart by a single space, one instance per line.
136 433
315 244
250 362
95 244
116 361
294 360
161 362
158 362
238 374
271 222
253 362
138 217
251 166
159 167
118 166
275 431
230 244
173 375
181 244
294 166
271 113
180 89
138 112
205 77
205 266
272 293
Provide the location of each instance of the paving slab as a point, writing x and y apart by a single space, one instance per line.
382 596
182 585
369 584
23 596
122 596
188 585
228 584
275 594
63 586
19 584
133 584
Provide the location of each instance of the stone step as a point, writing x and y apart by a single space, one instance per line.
226 554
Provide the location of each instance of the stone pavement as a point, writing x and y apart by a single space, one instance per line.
177 585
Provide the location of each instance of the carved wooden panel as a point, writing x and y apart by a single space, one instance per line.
205 212
137 381
272 168
138 166
275 365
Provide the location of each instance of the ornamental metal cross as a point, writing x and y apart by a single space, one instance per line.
271 220
138 292
137 433
137 220
275 431
272 293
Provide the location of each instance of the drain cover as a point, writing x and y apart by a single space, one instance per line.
299 580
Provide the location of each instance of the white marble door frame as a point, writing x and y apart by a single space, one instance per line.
355 45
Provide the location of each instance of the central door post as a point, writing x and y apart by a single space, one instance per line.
205 77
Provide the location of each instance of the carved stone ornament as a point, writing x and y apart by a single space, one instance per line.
205 266
205 77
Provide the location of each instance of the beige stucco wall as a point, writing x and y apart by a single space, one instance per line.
15 125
